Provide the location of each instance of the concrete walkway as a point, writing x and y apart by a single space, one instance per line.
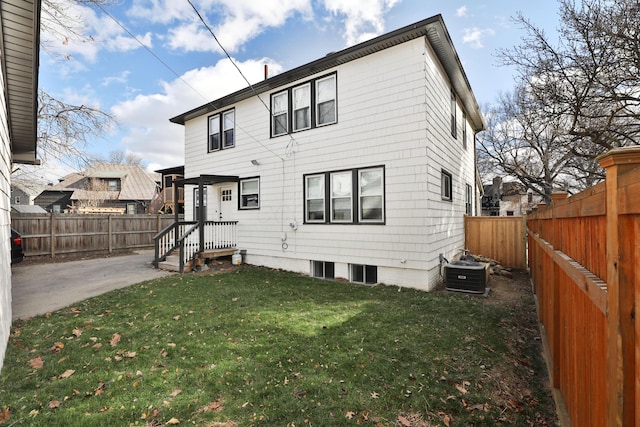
40 288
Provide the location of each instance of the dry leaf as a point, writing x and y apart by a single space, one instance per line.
67 373
176 317
403 421
349 415
130 354
461 389
77 332
100 389
54 404
173 421
115 339
36 363
57 346
175 392
375 395
5 414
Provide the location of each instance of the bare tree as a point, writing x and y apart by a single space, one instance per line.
123 158
64 129
589 81
523 142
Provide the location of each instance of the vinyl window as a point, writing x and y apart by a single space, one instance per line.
314 198
364 274
323 269
454 107
371 195
221 131
326 100
250 193
341 199
280 113
446 186
302 107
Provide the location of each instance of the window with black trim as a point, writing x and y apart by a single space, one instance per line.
308 105
249 193
323 269
454 124
469 200
354 196
464 130
280 113
446 185
364 274
221 131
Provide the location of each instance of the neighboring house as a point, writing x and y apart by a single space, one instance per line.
19 50
508 199
167 199
24 193
362 170
103 188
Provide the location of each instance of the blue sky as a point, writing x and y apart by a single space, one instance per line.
116 73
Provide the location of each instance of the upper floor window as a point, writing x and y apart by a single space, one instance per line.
354 196
469 200
454 107
280 112
306 106
221 131
464 130
250 193
326 100
113 184
302 107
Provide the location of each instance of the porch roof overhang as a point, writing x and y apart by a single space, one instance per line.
207 180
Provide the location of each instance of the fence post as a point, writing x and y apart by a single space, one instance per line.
109 234
620 291
555 290
52 236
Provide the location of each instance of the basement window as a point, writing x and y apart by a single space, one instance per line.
323 269
367 274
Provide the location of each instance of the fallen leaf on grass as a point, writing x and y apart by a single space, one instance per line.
173 421
115 339
5 414
175 392
57 346
67 373
375 395
461 389
36 363
403 421
54 404
77 332
130 354
349 415
34 412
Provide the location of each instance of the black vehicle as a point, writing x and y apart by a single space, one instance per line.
17 253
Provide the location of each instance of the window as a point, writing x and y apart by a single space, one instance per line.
57 209
323 269
249 193
371 195
354 196
222 131
341 203
326 100
16 200
280 115
464 130
509 213
228 129
226 195
113 184
196 204
364 274
214 133
454 124
302 107
314 195
446 186
469 200
306 106
131 208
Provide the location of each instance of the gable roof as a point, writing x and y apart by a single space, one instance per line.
135 183
432 28
19 50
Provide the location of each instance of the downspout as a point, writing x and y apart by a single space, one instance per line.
201 213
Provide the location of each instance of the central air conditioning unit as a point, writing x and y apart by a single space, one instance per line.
466 276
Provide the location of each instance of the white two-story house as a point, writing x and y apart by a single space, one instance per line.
358 166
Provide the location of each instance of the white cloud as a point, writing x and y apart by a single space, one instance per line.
146 117
234 22
461 11
120 78
363 19
474 36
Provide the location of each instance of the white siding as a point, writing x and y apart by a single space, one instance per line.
5 226
393 110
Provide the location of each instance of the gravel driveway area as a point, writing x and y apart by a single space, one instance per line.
41 288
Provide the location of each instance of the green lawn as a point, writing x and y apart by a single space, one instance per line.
260 347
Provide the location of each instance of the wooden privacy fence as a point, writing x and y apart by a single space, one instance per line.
500 238
56 234
583 253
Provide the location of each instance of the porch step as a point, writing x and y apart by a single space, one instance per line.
172 263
